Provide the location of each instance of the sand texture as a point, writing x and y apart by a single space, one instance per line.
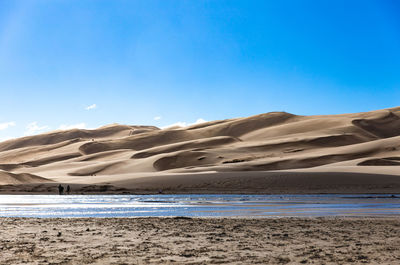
200 241
272 152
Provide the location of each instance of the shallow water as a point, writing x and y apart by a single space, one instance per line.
199 205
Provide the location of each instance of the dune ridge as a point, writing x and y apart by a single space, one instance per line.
22 178
365 143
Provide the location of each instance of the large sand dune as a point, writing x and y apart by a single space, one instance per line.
272 152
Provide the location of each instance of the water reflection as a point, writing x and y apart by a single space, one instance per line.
198 205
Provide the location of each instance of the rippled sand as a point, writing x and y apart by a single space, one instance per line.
200 240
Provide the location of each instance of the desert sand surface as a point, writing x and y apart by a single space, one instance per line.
267 153
200 241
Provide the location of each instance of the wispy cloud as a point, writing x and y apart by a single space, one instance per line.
176 124
184 124
2 139
157 118
64 127
198 121
93 106
6 125
34 128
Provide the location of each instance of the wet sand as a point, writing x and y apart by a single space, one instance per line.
246 182
200 241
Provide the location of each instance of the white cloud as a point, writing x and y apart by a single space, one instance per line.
64 127
184 124
34 128
179 124
2 139
157 118
93 106
199 120
6 125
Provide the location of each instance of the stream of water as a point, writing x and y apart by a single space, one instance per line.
199 205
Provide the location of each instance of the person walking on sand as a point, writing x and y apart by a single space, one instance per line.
60 189
68 189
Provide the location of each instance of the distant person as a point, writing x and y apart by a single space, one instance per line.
68 189
60 189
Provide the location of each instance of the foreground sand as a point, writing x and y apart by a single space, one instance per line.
200 241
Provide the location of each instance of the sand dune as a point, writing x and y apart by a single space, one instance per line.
367 144
7 178
110 131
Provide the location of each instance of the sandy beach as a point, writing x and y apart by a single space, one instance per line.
200 241
253 182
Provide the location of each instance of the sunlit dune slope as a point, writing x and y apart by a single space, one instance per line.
7 178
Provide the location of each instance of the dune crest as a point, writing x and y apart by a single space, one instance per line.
7 178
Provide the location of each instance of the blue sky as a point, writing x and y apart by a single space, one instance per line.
162 62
